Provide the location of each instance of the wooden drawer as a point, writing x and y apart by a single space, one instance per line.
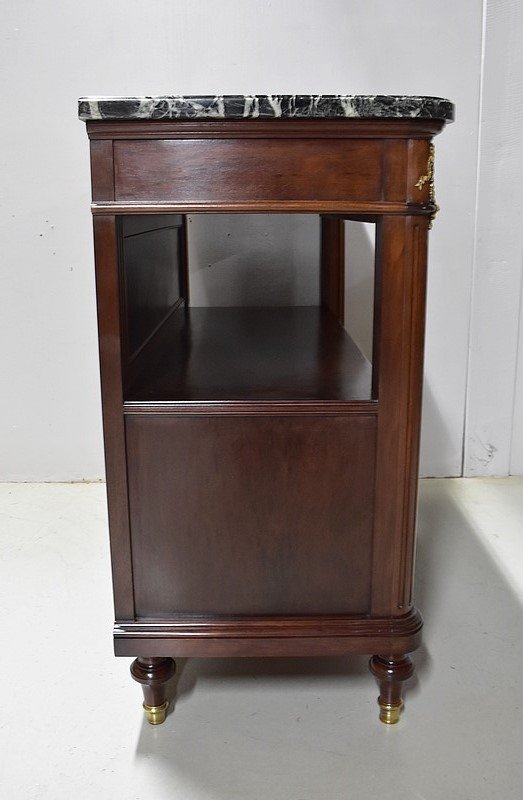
226 171
251 515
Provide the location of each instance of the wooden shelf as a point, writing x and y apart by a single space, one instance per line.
239 353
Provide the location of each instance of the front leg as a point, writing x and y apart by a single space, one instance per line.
154 673
391 672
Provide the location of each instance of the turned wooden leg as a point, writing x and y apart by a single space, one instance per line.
391 672
154 673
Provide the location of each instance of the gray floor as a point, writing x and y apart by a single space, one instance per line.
71 723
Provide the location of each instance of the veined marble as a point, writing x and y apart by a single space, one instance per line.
301 106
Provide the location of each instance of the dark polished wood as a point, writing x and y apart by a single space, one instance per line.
411 129
348 209
251 524
258 407
332 280
110 324
102 178
261 482
306 635
391 672
240 353
402 248
214 170
154 673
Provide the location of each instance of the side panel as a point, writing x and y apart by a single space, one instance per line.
248 515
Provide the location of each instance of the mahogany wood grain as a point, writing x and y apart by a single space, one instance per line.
406 129
248 523
248 354
395 157
277 626
332 284
225 171
257 407
391 672
102 172
109 328
310 635
344 208
402 278
153 674
248 515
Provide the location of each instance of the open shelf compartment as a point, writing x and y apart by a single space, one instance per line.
176 352
278 353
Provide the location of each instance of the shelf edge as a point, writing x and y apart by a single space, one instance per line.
255 407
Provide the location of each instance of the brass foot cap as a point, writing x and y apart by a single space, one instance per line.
156 714
390 714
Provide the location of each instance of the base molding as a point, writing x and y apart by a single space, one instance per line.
269 636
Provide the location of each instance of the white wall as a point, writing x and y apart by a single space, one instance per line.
52 52
494 424
254 259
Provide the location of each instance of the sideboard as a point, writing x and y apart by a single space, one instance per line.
261 472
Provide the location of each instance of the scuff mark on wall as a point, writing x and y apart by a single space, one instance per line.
481 454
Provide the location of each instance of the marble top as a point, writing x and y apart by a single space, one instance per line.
303 106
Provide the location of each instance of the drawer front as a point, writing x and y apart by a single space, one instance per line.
246 515
228 171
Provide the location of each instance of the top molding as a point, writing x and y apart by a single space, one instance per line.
290 106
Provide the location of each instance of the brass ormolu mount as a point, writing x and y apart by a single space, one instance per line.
429 178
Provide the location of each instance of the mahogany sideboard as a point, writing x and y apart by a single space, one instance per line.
261 472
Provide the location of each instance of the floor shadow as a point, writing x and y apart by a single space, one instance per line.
306 728
440 451
231 669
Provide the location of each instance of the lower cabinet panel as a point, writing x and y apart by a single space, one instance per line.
251 515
